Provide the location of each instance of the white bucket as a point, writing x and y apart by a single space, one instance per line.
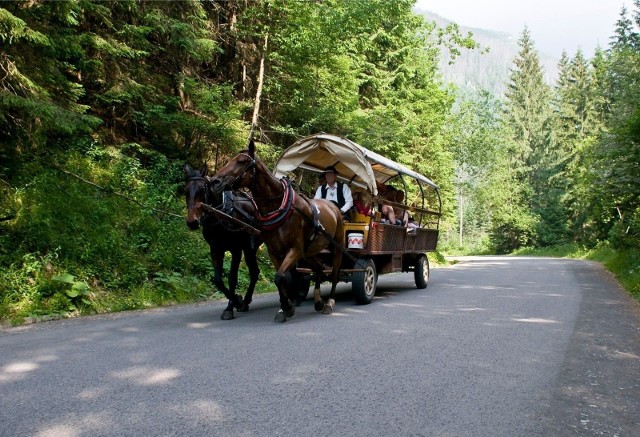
355 240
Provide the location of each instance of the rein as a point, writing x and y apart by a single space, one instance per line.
224 211
319 229
252 165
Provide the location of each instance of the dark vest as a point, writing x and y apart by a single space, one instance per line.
323 193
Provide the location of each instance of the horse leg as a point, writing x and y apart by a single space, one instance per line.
287 309
236 256
318 302
251 259
335 270
335 274
217 257
317 267
301 287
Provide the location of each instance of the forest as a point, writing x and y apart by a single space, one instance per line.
102 103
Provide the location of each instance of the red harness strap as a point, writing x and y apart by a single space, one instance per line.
276 218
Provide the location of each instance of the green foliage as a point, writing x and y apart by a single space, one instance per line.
624 264
120 94
527 122
67 235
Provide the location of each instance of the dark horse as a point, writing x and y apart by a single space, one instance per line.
292 226
222 236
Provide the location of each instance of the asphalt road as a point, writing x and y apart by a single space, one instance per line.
495 346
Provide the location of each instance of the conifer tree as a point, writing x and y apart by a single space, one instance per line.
528 118
624 36
578 123
616 158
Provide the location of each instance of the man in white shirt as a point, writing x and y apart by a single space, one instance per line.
337 192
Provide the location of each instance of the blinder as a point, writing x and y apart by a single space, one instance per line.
250 165
206 186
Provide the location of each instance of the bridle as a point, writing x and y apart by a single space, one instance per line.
226 206
250 165
206 186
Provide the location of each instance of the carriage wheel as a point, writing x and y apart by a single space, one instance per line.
364 283
421 272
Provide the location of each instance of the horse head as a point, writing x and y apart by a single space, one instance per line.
196 187
239 172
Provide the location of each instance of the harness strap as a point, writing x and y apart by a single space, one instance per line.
276 218
319 229
317 226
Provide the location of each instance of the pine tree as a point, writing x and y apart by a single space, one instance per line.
528 118
40 90
624 35
578 122
617 155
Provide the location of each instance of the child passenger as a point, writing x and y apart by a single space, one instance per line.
362 203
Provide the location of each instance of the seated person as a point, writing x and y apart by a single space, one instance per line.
402 217
388 213
362 203
395 215
337 192
322 180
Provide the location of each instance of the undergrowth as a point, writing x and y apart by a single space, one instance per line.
74 249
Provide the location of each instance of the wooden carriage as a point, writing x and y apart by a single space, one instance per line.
373 247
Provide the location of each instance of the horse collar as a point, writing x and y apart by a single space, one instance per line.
276 218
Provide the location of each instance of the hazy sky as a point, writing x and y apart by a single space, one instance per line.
554 24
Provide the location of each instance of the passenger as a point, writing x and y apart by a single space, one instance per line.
388 214
337 192
321 179
402 217
362 203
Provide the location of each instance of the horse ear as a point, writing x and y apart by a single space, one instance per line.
252 148
204 170
186 168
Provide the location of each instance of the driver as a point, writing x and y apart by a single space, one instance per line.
337 192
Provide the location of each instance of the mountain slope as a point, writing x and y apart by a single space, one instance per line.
486 68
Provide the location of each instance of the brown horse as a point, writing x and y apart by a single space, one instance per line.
222 236
293 227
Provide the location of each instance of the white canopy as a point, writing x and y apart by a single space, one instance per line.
352 161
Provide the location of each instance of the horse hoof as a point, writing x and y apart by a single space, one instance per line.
243 308
237 301
328 309
319 306
280 317
227 315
